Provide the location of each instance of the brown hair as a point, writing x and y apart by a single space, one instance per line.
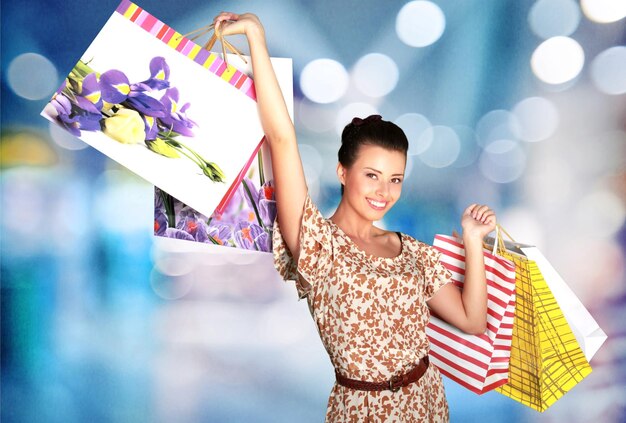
370 131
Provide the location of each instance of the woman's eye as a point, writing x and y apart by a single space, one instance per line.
396 180
372 175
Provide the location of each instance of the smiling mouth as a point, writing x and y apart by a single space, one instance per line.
378 205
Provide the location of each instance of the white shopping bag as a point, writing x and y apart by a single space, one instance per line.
588 333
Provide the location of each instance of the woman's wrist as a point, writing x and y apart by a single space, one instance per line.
255 33
470 240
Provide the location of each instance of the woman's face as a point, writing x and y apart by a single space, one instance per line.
373 184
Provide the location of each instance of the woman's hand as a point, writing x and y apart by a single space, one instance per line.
467 309
478 221
228 23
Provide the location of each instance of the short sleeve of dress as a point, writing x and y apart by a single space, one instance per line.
314 260
435 273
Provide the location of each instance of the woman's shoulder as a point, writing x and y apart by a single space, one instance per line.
417 246
311 214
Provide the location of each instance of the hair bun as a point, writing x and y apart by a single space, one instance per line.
357 121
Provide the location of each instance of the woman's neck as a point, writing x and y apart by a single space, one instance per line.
352 223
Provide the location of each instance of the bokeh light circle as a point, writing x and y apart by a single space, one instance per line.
601 213
608 70
503 161
174 264
552 182
324 80
604 11
444 148
352 110
171 287
538 119
543 20
557 60
522 220
410 165
469 146
420 23
496 125
375 75
32 76
414 125
316 117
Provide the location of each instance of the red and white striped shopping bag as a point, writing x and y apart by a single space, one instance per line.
480 363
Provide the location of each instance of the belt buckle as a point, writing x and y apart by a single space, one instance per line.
394 380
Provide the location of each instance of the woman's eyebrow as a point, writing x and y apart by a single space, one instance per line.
379 172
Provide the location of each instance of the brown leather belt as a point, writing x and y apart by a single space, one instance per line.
393 384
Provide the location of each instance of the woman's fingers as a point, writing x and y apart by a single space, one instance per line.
480 212
489 217
470 209
224 16
219 20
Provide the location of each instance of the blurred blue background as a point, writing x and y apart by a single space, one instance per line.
517 104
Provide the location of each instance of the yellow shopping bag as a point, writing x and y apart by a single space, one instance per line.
546 360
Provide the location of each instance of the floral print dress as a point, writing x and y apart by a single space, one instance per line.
371 315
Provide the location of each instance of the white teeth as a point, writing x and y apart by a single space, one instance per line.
376 203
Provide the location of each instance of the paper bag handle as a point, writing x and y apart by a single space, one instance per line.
216 36
505 232
498 241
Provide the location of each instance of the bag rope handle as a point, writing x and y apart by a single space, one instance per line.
217 35
498 243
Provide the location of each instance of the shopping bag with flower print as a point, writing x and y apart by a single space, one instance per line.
245 217
245 222
546 359
157 103
477 362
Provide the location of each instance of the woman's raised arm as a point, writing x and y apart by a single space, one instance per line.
289 180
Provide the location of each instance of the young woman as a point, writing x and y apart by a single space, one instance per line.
370 291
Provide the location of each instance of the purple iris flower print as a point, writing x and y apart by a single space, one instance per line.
75 117
251 236
193 225
152 128
61 105
160 215
129 112
239 226
115 86
145 104
220 233
91 90
159 74
252 191
263 242
160 222
178 234
176 119
267 204
116 89
261 201
158 200
233 209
